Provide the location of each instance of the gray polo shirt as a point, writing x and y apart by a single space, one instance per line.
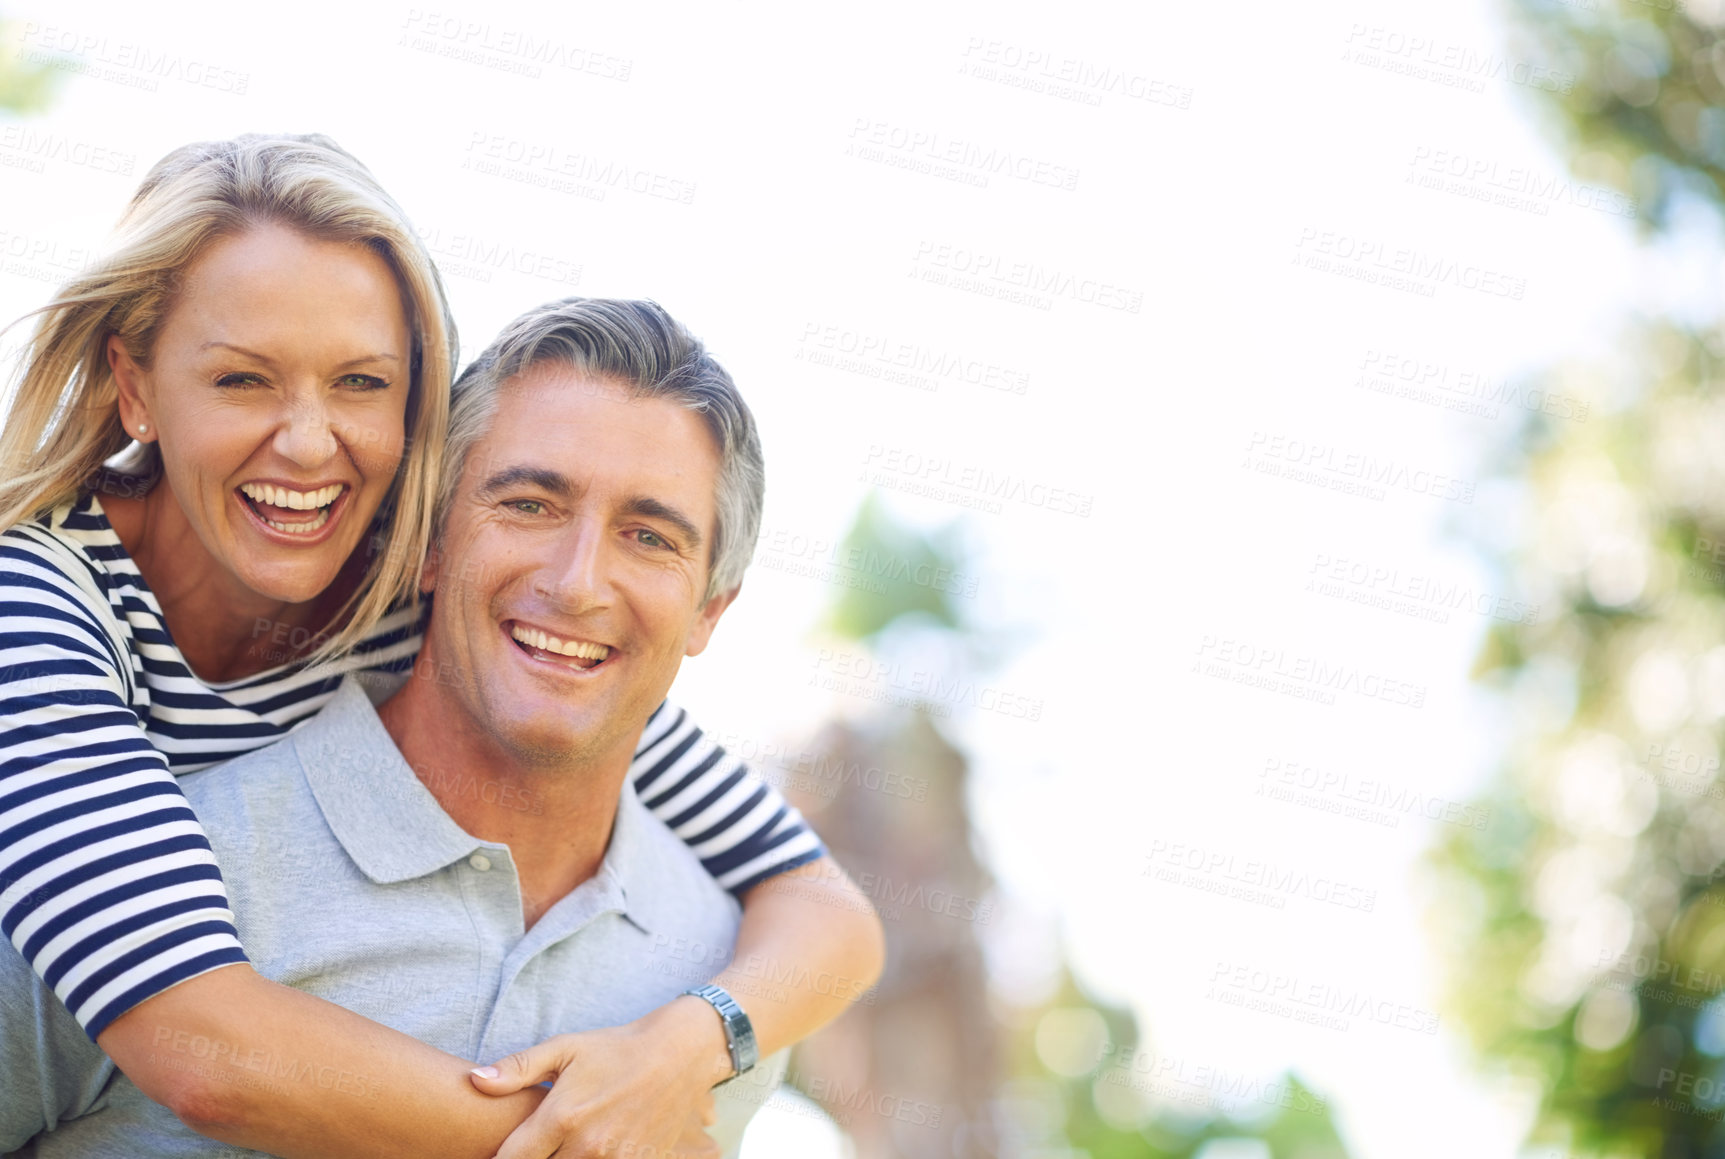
350 882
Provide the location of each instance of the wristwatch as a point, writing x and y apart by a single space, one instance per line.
739 1032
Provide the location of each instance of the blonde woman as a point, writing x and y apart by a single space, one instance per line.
267 351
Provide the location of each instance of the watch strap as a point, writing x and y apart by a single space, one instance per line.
739 1031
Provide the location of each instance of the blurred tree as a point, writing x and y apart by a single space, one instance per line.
888 793
932 1062
1586 922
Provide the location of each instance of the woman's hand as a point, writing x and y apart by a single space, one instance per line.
811 927
647 1084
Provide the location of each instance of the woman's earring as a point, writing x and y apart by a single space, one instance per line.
143 428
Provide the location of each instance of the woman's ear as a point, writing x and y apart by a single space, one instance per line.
129 381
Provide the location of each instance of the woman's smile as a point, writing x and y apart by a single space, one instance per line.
297 516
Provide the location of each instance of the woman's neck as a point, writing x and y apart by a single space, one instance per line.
223 629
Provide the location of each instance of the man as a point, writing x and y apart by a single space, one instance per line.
468 863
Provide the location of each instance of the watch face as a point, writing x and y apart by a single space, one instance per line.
744 1043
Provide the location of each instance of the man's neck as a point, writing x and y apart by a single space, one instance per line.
556 820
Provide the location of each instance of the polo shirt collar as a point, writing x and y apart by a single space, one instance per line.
382 813
632 863
394 829
626 882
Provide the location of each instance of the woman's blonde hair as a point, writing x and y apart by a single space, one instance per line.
64 420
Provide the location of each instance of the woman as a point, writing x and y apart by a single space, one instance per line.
267 316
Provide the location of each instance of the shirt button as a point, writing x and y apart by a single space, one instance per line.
480 862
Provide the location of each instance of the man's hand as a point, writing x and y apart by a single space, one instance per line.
694 1142
647 1085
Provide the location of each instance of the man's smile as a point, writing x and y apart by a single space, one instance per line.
581 655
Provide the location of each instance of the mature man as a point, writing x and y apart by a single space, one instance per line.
600 462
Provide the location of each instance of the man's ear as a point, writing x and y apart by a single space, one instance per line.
708 619
128 379
428 570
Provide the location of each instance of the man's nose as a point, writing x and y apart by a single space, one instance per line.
574 574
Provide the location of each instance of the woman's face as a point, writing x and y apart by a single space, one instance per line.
278 394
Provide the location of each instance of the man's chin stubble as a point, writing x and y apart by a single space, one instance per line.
555 756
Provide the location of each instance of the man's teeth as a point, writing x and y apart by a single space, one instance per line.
546 642
294 500
306 528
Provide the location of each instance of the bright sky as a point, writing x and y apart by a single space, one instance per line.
814 185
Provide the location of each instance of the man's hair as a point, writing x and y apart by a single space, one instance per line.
639 347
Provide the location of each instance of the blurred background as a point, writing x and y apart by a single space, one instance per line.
1243 583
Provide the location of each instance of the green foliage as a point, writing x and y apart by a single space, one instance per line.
1587 939
1644 110
1584 924
24 87
1183 1104
899 572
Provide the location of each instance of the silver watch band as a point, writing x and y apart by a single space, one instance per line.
739 1031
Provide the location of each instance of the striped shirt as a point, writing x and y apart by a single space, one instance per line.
108 887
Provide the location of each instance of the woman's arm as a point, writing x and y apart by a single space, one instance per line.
250 1062
277 1070
110 891
256 1064
810 944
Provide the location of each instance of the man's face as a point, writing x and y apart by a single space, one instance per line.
571 574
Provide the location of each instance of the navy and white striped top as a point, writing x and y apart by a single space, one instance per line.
108 887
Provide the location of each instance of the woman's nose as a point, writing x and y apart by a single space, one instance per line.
306 434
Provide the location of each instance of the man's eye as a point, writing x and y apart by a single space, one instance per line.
526 506
361 382
240 379
649 539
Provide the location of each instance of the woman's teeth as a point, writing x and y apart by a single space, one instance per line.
305 528
293 500
268 495
546 642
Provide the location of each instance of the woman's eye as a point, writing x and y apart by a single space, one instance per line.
361 382
240 379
